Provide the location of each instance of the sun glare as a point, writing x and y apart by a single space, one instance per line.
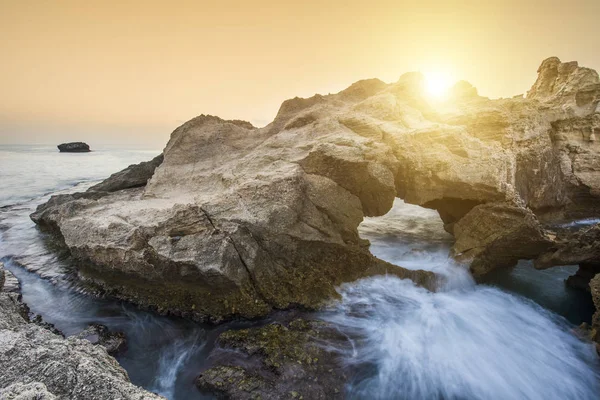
437 84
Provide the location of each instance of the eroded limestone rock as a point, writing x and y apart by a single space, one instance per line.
30 391
237 221
572 248
498 234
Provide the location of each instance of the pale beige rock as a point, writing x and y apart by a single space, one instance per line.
238 221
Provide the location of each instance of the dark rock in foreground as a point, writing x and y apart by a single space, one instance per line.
36 363
277 361
74 147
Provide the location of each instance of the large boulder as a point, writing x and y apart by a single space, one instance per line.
498 234
237 221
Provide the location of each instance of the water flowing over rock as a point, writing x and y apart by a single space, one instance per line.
36 363
237 221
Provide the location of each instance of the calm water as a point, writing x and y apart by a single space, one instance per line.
509 339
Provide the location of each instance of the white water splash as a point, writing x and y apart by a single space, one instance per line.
465 342
172 358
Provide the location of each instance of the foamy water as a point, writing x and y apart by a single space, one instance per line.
466 341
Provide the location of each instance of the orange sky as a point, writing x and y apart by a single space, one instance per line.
110 72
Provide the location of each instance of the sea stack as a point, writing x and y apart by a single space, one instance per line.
74 147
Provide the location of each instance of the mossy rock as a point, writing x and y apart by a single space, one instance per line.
277 361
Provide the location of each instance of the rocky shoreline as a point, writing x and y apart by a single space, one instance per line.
37 362
233 221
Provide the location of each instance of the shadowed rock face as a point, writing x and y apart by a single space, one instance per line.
136 175
595 290
74 147
238 221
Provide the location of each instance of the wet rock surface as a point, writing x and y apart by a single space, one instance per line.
498 234
74 147
36 363
115 343
277 361
8 282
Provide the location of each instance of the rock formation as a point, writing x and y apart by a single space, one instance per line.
136 175
74 147
595 290
237 221
36 363
115 343
277 361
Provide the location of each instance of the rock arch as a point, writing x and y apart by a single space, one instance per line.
236 221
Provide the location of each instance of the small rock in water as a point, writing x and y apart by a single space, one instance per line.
74 147
114 342
11 283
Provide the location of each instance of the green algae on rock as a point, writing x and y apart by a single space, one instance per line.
277 361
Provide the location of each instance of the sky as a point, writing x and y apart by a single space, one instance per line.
129 72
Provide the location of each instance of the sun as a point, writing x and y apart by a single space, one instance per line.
437 84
